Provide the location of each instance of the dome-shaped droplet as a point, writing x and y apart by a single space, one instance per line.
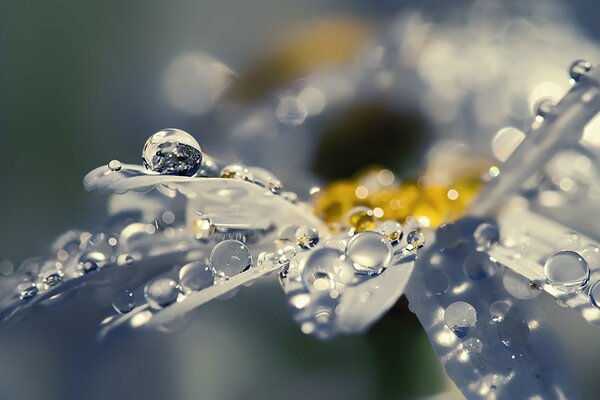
513 331
487 235
230 257
567 271
579 68
361 219
322 269
518 286
436 281
161 292
195 276
27 290
236 171
478 265
543 107
307 237
369 252
594 294
172 152
447 236
91 261
266 179
499 310
53 278
123 301
460 317
291 111
392 230
416 238
115 165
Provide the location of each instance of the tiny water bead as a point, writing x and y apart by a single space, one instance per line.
513 331
323 268
499 310
115 165
437 281
123 301
172 152
230 257
369 252
161 292
307 237
461 318
579 68
91 261
416 238
447 236
291 111
53 278
594 294
266 179
487 235
567 271
27 290
195 276
392 230
543 107
361 219
478 265
236 171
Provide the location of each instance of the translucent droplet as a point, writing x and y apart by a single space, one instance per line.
161 292
53 278
518 286
567 271
594 294
369 252
27 290
230 257
91 261
447 236
172 152
307 237
543 107
323 268
287 235
499 310
478 265
236 171
361 219
392 230
416 238
291 111
437 281
123 301
461 318
266 179
579 68
195 276
487 235
115 165
513 331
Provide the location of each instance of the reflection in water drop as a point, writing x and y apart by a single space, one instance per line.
567 271
369 252
114 165
236 171
161 292
230 257
27 290
579 68
416 238
172 152
392 230
195 276
307 237
123 301
461 318
594 294
323 268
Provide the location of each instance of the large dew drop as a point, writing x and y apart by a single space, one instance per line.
230 257
172 152
324 268
195 276
461 318
567 271
369 252
161 292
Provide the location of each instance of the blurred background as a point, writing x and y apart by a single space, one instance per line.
82 83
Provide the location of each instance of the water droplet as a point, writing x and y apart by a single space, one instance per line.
307 237
447 236
27 290
416 238
53 278
115 165
123 301
291 111
236 171
543 107
437 281
323 268
369 252
361 219
591 254
513 331
91 261
594 294
472 346
499 310
579 68
172 152
230 257
392 230
478 265
460 317
518 286
287 235
567 271
487 235
161 292
266 179
195 276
